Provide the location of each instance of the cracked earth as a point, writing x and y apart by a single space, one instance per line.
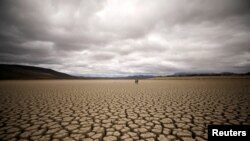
111 110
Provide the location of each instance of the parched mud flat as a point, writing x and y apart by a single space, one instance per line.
109 110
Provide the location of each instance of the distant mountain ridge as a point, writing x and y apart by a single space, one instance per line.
22 72
209 74
11 72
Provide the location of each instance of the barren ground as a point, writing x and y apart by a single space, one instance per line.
112 110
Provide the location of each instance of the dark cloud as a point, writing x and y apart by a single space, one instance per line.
116 37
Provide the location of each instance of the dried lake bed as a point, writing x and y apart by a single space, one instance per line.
110 110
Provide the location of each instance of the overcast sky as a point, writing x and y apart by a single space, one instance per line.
126 37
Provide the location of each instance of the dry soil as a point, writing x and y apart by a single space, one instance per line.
110 110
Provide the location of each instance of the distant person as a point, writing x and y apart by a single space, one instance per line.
136 81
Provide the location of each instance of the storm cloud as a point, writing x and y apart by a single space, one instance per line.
127 37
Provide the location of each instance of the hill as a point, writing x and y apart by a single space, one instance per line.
205 75
30 72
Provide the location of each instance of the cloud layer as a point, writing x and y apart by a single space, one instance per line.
127 37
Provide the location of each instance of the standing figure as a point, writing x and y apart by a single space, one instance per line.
136 81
